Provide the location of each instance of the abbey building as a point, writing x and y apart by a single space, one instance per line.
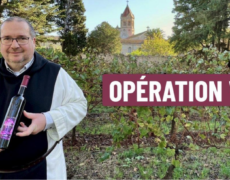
129 40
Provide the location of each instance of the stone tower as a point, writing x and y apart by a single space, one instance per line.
127 23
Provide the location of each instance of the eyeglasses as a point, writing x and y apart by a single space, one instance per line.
9 40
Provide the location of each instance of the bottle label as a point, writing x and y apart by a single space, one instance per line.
7 129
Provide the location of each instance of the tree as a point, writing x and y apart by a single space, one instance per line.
218 16
199 23
72 23
1 7
155 32
3 4
39 13
155 44
105 39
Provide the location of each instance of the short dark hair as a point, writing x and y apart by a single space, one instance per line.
19 19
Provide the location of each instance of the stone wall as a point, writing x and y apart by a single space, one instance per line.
139 59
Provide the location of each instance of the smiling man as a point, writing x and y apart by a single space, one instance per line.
55 104
17 54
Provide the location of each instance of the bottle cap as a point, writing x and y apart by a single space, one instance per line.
25 80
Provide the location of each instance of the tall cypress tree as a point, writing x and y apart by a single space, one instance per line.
218 16
72 21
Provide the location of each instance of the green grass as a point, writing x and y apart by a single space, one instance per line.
118 173
132 153
95 126
103 109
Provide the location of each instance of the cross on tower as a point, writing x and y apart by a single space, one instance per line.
127 1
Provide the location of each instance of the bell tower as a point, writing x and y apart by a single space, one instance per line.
127 23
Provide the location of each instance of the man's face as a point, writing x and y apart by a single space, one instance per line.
16 53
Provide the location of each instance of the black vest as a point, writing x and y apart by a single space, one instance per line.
38 95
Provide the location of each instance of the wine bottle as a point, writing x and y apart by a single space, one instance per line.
13 115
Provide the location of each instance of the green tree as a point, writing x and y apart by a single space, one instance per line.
199 23
155 32
3 4
39 13
218 16
155 44
72 23
105 39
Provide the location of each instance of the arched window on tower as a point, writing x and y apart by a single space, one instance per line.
124 23
129 23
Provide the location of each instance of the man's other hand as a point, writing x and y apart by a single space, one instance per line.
37 125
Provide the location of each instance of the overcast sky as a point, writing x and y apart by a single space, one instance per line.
152 13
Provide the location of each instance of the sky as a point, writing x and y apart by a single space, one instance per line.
152 13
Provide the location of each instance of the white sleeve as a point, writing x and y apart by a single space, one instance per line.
49 121
68 107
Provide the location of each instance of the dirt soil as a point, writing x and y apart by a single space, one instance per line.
83 156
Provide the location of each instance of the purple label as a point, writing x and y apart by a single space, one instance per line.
7 130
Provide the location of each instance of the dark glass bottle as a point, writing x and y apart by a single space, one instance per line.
13 115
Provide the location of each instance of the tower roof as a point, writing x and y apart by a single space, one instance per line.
127 12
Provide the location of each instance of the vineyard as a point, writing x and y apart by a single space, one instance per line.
146 142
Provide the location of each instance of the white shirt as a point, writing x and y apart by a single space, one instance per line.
27 65
68 108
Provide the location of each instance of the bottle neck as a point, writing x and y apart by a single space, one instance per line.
21 90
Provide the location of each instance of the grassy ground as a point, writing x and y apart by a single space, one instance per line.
94 158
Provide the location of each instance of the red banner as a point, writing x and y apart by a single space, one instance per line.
166 90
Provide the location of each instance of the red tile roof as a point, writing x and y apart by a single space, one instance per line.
127 12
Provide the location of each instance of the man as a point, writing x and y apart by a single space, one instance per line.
54 105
